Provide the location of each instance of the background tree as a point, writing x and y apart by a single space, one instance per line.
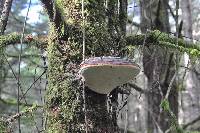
159 65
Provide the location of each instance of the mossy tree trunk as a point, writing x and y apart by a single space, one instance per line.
159 66
64 97
5 7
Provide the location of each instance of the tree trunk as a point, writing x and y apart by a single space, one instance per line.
3 19
190 96
158 66
1 6
4 16
186 8
65 98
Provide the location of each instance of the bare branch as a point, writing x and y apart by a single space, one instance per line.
192 122
171 11
137 88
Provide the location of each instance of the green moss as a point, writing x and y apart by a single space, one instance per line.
64 106
165 105
14 38
175 127
160 36
3 126
165 40
62 103
9 39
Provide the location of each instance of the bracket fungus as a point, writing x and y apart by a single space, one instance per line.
103 74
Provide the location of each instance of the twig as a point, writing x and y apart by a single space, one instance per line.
19 66
170 86
16 116
171 11
168 68
137 88
33 84
19 84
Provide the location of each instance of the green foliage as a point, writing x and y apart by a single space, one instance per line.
175 127
9 39
62 105
3 126
166 40
14 38
165 105
64 94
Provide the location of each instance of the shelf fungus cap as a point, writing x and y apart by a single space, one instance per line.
103 74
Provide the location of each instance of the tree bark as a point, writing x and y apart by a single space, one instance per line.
5 15
186 8
1 6
158 66
64 97
190 97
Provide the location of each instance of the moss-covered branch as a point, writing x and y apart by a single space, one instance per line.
164 40
15 38
5 123
152 38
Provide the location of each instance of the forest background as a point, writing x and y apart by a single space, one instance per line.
136 107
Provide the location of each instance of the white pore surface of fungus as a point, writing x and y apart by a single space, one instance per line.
103 74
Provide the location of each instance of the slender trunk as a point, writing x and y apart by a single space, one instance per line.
5 15
1 6
187 17
158 66
192 77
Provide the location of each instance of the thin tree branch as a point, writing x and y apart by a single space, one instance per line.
137 88
171 11
16 116
168 68
192 122
32 84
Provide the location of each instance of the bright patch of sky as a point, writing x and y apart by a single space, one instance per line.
34 15
133 9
